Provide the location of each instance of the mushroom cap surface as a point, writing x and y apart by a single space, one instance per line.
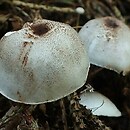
108 40
99 104
42 62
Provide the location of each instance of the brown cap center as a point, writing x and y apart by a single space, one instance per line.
111 23
40 28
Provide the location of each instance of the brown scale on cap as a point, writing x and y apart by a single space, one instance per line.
111 23
19 96
111 26
40 28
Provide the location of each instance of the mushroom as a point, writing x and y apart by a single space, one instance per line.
80 10
42 62
99 104
108 40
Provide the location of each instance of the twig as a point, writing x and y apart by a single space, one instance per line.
30 122
76 112
63 114
10 115
45 7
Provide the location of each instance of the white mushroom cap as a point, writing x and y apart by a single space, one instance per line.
108 40
42 62
99 104
80 10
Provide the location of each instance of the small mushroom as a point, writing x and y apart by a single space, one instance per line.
108 40
99 104
42 62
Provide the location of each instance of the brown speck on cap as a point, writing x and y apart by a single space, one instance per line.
111 23
40 28
19 95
